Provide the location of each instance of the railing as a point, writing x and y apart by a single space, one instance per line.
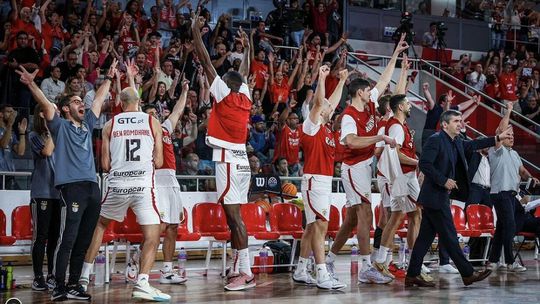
484 95
515 36
385 59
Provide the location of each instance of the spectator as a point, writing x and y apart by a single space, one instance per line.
53 87
477 79
220 60
320 14
508 82
9 142
74 87
255 165
497 20
26 56
288 138
532 111
429 39
260 139
21 22
492 88
281 167
296 19
191 167
70 67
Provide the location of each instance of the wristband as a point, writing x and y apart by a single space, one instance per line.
22 134
498 138
107 77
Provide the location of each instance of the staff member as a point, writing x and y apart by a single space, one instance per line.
507 170
441 161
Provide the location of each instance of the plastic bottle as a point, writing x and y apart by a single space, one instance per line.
354 260
466 251
263 259
99 279
401 254
182 260
9 276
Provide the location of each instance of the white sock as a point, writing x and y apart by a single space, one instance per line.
331 257
302 264
167 266
389 258
322 272
86 269
381 256
243 258
142 277
235 264
365 261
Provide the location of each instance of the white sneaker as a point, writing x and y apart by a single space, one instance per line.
170 277
493 267
425 269
83 281
516 267
331 268
303 277
143 291
330 283
448 269
372 276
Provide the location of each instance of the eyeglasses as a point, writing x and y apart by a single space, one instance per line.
76 102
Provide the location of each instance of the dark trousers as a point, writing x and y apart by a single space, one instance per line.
80 207
444 257
438 221
505 228
46 220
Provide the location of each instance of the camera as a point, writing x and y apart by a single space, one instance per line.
441 29
405 27
406 20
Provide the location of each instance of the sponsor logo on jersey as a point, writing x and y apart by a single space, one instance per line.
131 190
135 173
243 168
126 120
330 142
167 140
239 153
370 124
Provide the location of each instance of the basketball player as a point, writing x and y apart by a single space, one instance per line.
382 182
75 176
227 135
132 149
319 148
359 134
168 189
397 128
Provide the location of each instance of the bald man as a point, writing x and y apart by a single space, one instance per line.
132 149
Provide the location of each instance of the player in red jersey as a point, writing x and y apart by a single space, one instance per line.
359 133
397 128
169 202
227 135
319 151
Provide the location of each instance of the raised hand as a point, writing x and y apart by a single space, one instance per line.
251 81
450 96
185 84
131 68
112 68
324 71
507 134
402 45
26 77
343 74
405 62
23 124
425 86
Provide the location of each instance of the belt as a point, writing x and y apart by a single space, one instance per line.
482 186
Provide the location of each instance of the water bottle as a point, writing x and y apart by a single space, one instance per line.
263 259
99 278
466 251
182 260
354 260
9 276
401 254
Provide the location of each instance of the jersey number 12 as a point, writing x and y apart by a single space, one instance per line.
132 146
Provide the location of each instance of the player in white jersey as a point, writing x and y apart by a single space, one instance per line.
132 149
168 190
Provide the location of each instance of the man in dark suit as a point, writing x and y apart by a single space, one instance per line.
444 165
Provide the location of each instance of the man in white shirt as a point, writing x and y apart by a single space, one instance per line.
53 86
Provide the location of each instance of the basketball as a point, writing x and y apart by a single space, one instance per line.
265 205
289 189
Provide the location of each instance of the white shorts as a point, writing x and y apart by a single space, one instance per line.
232 183
317 194
169 204
407 204
142 200
384 188
356 181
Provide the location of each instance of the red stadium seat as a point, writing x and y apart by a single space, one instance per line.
183 231
480 218
21 223
286 219
4 239
255 220
210 222
460 223
129 229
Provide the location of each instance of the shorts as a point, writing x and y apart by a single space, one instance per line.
407 204
142 200
232 183
384 188
356 181
169 204
317 194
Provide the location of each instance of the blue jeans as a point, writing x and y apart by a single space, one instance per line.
297 37
496 40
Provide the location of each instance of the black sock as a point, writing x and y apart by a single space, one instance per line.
377 237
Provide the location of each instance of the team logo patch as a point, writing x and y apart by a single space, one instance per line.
272 182
324 212
75 207
43 205
162 214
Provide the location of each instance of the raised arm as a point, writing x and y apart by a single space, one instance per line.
28 79
335 98
158 142
132 70
252 51
192 136
320 91
174 84
105 149
42 10
201 51
386 76
401 87
246 62
14 11
504 125
429 100
103 90
180 105
295 70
